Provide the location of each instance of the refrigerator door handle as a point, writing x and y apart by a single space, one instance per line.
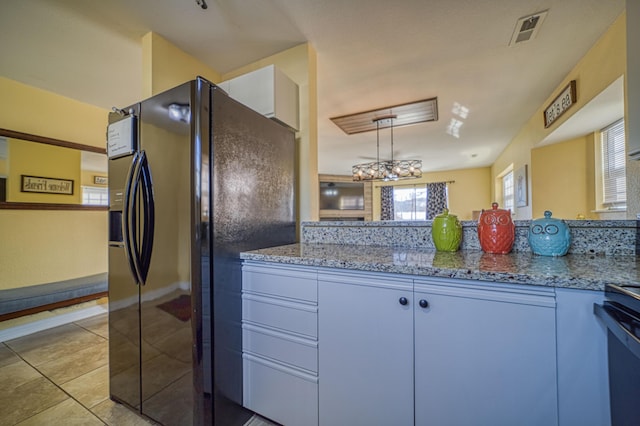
148 210
130 218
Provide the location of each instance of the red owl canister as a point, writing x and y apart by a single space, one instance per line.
496 230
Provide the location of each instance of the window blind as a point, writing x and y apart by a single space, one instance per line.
613 165
507 192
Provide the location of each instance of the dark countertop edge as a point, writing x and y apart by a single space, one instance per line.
572 282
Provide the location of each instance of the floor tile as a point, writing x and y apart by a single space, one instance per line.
90 389
69 367
67 412
7 356
29 399
55 343
98 325
15 375
115 414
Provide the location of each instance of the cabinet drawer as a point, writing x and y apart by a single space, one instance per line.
281 315
288 349
288 397
285 282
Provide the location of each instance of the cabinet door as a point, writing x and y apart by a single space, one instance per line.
484 356
583 378
365 337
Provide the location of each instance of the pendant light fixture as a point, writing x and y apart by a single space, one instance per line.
388 169
382 118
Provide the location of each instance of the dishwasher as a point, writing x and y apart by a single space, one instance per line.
620 313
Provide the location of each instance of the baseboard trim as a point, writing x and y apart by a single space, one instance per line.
44 324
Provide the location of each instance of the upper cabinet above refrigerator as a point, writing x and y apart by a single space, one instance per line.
268 91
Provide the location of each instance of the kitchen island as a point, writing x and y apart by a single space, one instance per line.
360 334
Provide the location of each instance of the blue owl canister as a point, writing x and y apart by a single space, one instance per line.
549 236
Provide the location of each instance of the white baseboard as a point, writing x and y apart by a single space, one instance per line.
44 324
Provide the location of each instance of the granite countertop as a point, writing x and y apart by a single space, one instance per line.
580 271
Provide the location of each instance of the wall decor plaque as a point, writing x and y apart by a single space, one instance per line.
565 100
45 185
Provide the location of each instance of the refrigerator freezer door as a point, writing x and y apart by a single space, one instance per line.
124 331
166 296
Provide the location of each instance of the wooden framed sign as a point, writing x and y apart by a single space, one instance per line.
46 185
565 100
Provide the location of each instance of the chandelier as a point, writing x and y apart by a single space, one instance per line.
387 169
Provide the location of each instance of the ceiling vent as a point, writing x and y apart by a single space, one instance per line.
527 28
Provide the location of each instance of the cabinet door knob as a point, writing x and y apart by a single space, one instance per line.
423 303
403 301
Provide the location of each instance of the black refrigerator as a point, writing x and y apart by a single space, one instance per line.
194 179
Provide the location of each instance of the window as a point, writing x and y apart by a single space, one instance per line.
507 191
95 196
614 180
410 203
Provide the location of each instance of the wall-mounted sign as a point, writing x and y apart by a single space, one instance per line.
560 104
121 137
100 180
46 185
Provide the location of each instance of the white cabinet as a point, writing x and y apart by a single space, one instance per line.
338 347
632 97
583 378
268 91
485 354
279 342
366 349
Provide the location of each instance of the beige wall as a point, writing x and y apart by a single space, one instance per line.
470 191
563 178
41 246
602 65
164 66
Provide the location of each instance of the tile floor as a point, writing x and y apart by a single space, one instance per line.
61 376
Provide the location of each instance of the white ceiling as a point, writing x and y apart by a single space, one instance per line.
371 53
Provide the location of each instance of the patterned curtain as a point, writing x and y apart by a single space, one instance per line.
436 199
386 203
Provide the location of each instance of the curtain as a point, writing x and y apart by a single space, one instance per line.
436 199
386 203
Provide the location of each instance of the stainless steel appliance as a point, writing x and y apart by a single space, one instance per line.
194 178
621 315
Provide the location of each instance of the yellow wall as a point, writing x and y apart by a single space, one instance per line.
87 178
563 175
602 65
27 109
46 246
41 246
470 191
35 159
164 66
300 64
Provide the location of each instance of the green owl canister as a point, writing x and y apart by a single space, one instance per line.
446 231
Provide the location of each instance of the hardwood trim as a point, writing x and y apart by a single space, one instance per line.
51 306
51 141
50 206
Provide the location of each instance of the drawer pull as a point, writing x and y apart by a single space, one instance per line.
403 301
423 303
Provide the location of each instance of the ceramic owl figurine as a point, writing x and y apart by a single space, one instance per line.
496 230
446 232
549 236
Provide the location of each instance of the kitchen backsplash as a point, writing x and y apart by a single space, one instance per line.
601 237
